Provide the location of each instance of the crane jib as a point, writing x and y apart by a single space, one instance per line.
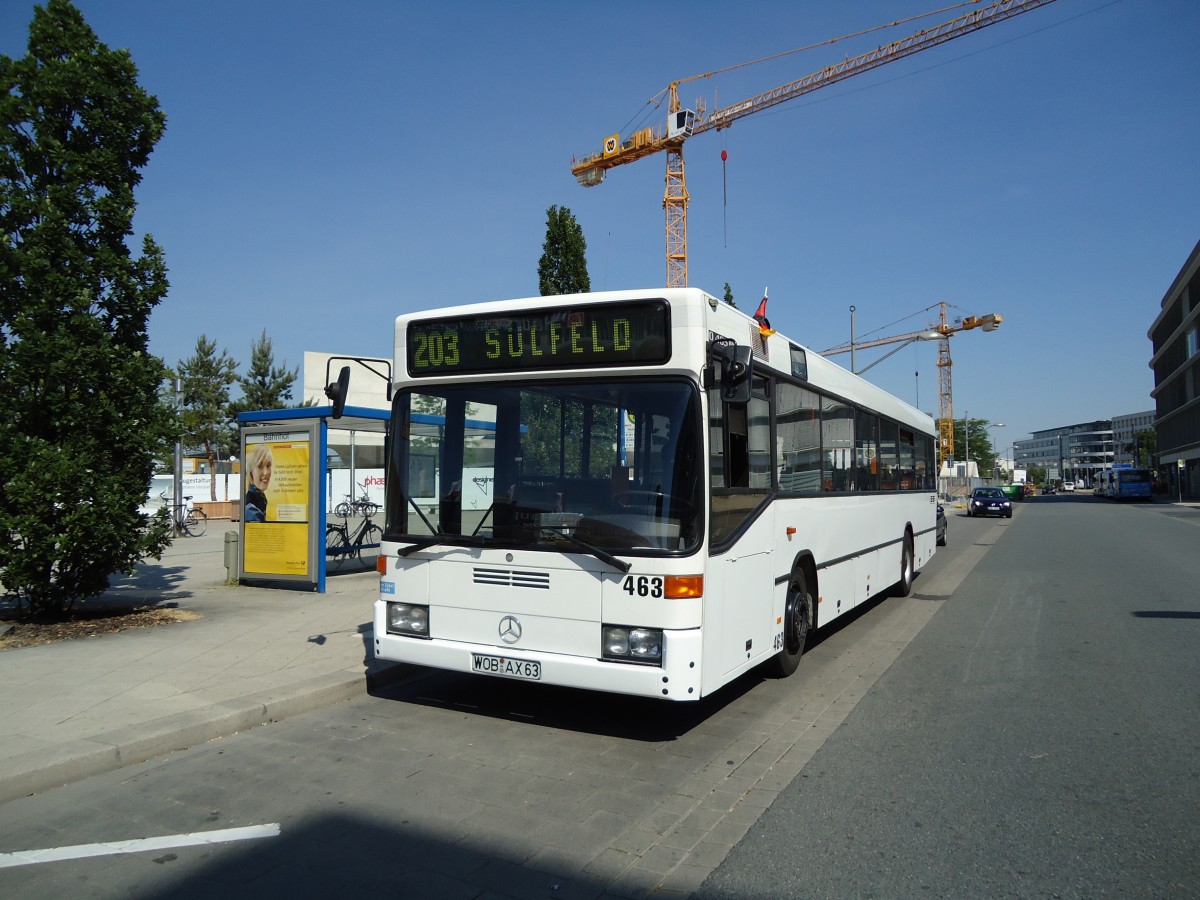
590 170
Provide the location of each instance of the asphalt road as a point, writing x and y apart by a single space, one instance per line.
1023 726
1038 738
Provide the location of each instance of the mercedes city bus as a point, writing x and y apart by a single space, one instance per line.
645 492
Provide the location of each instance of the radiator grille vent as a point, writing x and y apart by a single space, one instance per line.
510 578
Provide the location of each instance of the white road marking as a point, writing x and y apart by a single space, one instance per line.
138 845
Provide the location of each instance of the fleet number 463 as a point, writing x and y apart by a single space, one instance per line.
643 585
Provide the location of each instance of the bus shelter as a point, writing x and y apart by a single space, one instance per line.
297 464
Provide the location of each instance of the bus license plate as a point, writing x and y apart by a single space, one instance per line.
507 667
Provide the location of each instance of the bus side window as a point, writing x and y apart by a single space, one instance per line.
837 444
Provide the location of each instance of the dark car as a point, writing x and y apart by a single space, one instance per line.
941 526
989 501
1049 489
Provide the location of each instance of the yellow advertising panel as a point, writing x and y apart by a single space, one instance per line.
275 507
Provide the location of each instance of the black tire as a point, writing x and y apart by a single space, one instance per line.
943 537
196 523
342 509
908 569
370 509
797 623
336 548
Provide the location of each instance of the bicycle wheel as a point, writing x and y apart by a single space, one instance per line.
370 534
337 546
369 509
196 523
342 509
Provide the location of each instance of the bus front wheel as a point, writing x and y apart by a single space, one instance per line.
797 622
907 569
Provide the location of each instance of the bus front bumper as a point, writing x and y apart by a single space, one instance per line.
679 678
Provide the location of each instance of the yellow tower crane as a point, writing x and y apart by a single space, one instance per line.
941 332
685 123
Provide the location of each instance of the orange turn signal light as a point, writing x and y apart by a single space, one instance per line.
381 564
681 587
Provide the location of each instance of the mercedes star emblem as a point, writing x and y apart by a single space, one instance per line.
510 629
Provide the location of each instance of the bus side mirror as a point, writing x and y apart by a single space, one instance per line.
736 368
337 391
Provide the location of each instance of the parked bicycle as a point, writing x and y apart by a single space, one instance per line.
340 544
185 518
363 506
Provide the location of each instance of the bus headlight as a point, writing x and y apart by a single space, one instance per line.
628 644
407 618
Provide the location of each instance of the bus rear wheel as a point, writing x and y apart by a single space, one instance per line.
797 622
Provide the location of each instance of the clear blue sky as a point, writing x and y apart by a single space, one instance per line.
328 166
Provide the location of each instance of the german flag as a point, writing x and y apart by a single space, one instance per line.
764 324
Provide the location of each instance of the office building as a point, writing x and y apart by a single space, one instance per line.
1175 339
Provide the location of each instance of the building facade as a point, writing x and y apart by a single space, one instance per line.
1071 452
1129 449
1175 341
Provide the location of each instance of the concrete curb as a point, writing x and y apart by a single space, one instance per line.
43 769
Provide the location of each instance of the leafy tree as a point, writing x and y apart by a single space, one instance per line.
1144 447
265 385
729 296
978 440
207 377
82 423
563 266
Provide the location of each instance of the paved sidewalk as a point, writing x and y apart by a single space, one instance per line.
256 655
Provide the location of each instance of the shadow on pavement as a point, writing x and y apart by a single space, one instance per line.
384 852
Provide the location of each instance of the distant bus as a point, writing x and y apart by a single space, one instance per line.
1126 484
671 495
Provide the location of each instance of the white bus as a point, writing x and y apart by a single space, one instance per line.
641 492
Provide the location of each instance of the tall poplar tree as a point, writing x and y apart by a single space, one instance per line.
562 268
80 421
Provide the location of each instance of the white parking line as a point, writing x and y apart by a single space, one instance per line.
138 845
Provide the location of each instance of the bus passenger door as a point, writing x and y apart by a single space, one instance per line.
742 525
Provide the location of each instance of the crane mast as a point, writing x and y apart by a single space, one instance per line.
685 123
942 332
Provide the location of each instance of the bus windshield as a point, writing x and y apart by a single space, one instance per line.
608 466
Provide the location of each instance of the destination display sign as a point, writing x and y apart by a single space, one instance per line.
569 337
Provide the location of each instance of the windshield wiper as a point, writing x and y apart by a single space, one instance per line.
602 555
425 541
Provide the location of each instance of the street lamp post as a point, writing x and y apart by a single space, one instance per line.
852 339
990 427
967 442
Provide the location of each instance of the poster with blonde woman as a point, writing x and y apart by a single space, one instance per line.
259 464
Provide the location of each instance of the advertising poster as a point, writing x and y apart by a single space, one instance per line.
276 511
